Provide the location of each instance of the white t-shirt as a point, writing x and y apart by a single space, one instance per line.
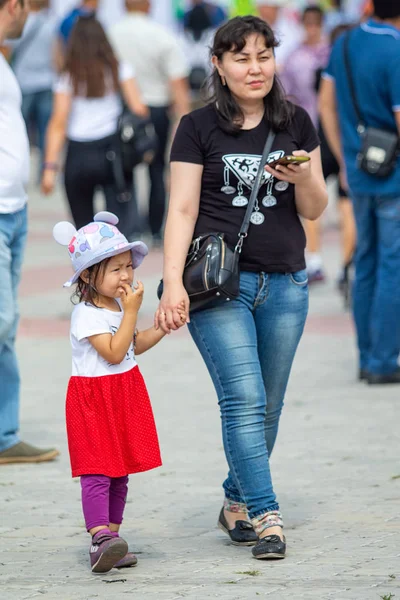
93 118
14 145
154 53
87 320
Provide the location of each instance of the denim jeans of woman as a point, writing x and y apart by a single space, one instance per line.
248 346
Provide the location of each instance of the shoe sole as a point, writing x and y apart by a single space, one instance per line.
30 459
111 556
225 530
130 566
269 555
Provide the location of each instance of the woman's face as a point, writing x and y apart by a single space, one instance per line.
250 73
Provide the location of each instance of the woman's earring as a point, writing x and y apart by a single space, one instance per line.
223 80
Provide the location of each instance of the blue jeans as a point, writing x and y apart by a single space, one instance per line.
377 284
13 231
36 109
248 346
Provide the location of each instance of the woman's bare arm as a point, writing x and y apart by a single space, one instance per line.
311 196
182 215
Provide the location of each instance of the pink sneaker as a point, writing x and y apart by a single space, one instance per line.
106 551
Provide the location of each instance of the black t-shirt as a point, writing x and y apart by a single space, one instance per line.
230 163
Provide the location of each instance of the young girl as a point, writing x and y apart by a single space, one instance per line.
110 424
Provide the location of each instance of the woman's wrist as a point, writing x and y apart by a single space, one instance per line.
173 280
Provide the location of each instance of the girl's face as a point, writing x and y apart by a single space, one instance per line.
118 271
250 73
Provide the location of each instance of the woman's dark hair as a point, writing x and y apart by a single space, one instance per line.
86 292
232 37
90 60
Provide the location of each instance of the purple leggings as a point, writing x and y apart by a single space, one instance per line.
103 499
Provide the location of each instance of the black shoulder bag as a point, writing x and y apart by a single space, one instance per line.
379 147
212 269
135 142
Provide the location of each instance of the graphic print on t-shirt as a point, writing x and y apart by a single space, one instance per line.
245 168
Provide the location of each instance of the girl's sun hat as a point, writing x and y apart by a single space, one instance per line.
94 242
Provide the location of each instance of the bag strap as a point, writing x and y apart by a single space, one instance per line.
346 54
254 192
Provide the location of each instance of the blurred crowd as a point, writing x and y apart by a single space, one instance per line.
77 66
163 47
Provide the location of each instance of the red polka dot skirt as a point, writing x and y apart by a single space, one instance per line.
110 425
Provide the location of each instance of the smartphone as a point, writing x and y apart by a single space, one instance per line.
289 159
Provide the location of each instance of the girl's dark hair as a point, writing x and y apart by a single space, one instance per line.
90 59
86 292
232 37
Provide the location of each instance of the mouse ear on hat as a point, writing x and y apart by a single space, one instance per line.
106 217
63 232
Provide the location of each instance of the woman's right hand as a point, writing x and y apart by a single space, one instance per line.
167 316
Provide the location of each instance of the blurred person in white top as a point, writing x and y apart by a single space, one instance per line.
161 72
33 65
14 175
87 104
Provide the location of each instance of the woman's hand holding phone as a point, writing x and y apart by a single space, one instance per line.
292 173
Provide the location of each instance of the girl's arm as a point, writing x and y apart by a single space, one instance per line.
150 337
133 100
55 139
311 196
147 339
182 216
113 348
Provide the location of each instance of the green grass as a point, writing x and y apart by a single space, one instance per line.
387 597
251 573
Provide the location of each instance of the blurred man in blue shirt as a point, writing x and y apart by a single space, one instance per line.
374 59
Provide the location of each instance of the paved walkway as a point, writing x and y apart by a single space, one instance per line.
336 467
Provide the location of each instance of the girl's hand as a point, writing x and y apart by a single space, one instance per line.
131 300
182 313
49 178
167 314
295 174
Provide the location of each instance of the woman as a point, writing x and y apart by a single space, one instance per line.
87 104
249 344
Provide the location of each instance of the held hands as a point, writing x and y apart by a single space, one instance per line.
131 299
295 174
173 310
